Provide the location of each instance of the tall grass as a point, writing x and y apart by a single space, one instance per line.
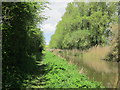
94 56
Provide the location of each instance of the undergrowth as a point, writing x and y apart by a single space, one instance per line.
55 72
60 74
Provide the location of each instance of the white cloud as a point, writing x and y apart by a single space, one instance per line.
48 28
60 0
57 11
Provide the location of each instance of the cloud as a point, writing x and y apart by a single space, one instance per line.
55 14
60 0
57 11
47 43
48 28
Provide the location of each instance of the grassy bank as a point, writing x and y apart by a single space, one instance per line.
92 61
60 74
55 72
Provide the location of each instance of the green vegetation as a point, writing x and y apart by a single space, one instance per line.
47 46
22 42
113 55
63 75
25 64
85 25
92 64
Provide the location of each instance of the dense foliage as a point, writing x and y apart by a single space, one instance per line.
113 55
63 75
22 41
85 25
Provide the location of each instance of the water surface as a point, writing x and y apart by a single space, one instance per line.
102 71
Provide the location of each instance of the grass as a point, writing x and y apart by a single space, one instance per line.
55 72
60 74
46 46
92 61
94 56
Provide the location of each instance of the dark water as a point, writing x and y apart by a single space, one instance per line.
102 71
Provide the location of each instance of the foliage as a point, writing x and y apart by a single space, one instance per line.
22 41
84 25
79 37
63 75
113 55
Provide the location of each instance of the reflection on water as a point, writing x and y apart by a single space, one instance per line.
99 70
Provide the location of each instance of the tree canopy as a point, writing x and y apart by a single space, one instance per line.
22 41
85 25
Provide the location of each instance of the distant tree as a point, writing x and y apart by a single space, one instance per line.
85 25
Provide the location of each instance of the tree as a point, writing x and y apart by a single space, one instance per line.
21 40
85 25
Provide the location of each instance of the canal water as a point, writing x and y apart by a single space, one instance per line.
102 71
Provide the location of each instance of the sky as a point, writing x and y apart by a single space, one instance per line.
54 14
